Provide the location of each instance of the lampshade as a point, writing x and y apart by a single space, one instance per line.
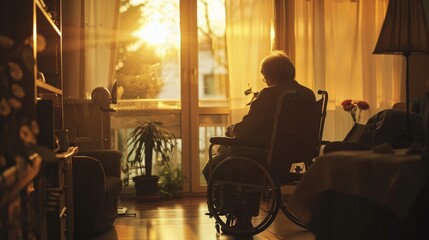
405 30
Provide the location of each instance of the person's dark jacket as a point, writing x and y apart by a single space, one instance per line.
257 125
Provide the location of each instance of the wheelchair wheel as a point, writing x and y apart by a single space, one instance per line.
292 217
242 196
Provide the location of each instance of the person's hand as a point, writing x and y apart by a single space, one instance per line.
230 131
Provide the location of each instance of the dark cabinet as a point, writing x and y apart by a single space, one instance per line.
59 196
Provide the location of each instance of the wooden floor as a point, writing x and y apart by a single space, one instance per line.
185 218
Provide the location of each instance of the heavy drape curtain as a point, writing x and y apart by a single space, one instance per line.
248 34
333 43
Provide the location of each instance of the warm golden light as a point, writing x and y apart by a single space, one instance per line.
154 33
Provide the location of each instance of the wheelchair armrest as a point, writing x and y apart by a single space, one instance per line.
225 141
235 142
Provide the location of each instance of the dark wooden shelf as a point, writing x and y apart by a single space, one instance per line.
47 17
46 86
16 179
23 188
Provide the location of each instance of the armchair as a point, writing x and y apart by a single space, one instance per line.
96 189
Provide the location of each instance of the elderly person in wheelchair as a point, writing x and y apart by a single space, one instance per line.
235 204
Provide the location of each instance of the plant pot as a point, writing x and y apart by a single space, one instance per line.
146 186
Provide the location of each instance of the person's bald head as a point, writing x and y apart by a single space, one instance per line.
277 68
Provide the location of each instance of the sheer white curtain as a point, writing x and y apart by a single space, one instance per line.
248 33
334 40
100 23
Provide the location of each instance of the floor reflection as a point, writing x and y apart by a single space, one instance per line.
185 218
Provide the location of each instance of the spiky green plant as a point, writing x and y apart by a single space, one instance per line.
148 138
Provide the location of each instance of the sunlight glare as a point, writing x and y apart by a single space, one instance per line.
154 33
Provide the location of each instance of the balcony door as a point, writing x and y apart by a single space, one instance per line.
172 68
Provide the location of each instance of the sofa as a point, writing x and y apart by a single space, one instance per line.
96 189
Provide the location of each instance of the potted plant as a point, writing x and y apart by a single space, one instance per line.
171 181
147 139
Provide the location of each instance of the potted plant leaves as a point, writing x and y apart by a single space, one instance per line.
149 139
171 181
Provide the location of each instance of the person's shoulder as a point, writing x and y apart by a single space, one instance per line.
299 85
308 92
304 93
294 85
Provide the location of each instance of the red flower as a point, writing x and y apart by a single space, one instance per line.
362 105
352 107
348 105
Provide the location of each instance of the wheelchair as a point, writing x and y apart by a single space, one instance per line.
247 184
